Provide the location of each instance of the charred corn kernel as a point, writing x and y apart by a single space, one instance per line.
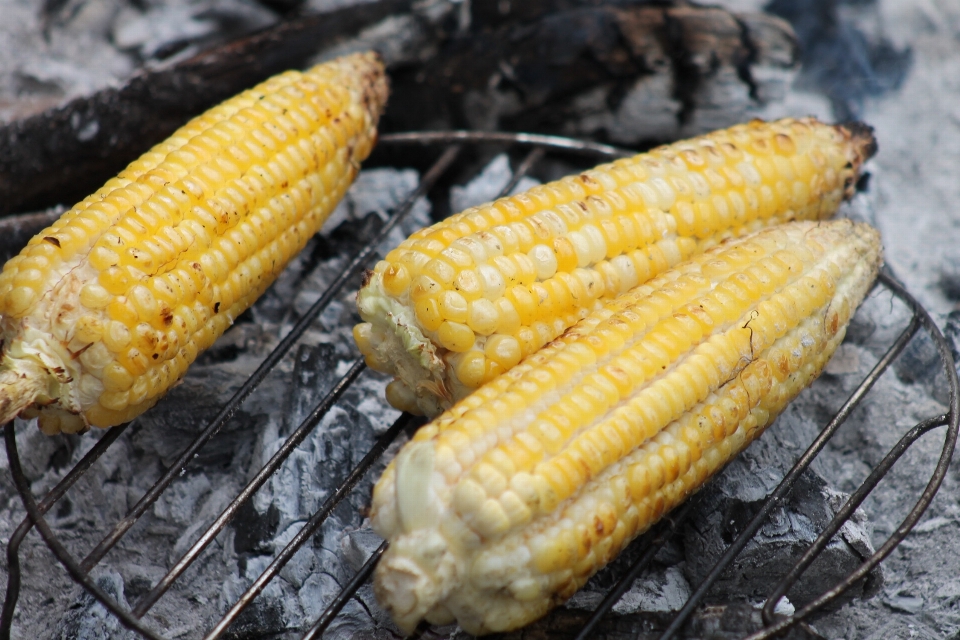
104 311
553 468
612 228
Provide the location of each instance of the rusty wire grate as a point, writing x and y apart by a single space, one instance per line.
453 143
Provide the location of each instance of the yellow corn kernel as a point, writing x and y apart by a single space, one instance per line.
160 261
582 446
455 336
550 253
453 306
483 317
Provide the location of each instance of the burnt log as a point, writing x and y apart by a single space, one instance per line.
62 154
626 73
631 73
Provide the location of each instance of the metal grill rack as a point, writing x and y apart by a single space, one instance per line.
452 144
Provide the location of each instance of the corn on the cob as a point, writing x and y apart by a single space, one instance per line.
458 303
505 505
104 311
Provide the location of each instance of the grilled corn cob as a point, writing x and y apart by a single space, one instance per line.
459 303
104 311
505 505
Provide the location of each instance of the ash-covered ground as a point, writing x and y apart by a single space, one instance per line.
913 49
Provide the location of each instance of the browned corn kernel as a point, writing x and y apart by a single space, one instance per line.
527 267
104 311
508 502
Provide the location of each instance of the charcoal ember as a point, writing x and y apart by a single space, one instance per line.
313 375
40 454
733 622
353 225
357 546
253 528
101 111
715 60
16 231
787 533
658 590
362 617
919 361
87 619
379 192
245 337
314 576
904 600
661 593
632 73
732 499
179 504
860 329
774 57
949 277
400 39
169 427
253 622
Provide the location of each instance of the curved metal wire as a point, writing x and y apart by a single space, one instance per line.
556 143
108 542
776 625
403 423
13 546
920 319
773 624
80 570
50 538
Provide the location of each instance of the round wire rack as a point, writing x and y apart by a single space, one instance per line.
451 145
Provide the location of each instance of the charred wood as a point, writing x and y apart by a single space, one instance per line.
627 73
60 155
631 73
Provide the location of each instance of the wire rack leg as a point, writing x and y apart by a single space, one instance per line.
50 538
13 546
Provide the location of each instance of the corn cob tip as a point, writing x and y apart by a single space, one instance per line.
863 146
863 140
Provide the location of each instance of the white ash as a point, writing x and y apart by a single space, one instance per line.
157 28
488 184
73 59
52 52
398 39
